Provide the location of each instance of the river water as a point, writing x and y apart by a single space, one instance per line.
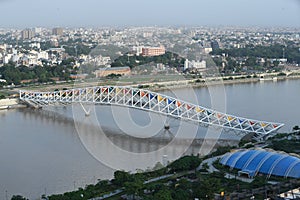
57 149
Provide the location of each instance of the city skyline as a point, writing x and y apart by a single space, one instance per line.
93 13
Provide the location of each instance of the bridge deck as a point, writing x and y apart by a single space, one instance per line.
150 101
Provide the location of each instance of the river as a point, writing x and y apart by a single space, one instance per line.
45 151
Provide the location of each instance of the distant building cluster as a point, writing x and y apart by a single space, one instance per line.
50 47
32 57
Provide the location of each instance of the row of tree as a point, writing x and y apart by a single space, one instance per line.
13 74
169 58
291 53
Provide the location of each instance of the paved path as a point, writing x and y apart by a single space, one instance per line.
118 191
212 169
209 162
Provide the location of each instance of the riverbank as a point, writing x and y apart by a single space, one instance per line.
10 104
198 83
162 85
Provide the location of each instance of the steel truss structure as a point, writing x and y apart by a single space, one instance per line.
152 102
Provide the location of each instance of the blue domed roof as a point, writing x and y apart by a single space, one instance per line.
261 161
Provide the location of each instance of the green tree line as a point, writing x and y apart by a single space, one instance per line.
13 74
169 58
275 51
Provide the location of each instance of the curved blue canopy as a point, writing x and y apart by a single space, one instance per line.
265 162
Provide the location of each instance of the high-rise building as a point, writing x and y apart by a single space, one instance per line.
37 30
27 34
57 31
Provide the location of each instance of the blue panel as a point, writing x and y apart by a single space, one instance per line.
231 161
295 172
282 166
243 160
253 164
169 101
265 168
151 96
224 158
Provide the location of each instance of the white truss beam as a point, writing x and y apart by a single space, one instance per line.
150 101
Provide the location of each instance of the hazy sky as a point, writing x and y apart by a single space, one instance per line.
78 13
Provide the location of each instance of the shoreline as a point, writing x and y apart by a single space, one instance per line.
8 103
212 82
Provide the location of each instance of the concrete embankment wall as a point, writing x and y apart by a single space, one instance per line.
9 103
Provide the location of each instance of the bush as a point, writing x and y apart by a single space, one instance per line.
295 128
18 197
281 74
221 150
185 163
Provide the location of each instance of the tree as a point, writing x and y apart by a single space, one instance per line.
251 62
134 187
205 166
207 188
18 197
181 194
296 128
276 63
158 166
231 64
120 177
185 163
163 194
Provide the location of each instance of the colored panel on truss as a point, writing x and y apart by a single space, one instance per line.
143 93
188 106
230 118
219 115
126 91
118 90
199 109
159 98
263 124
241 121
104 89
169 101
151 96
134 92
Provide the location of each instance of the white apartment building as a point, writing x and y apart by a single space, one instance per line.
194 64
138 50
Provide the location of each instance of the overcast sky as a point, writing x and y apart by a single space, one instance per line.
96 13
